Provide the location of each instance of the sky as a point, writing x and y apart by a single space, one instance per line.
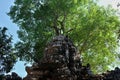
12 30
112 2
5 21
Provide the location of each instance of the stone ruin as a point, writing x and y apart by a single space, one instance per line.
61 61
12 76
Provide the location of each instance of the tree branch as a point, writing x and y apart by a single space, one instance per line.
55 25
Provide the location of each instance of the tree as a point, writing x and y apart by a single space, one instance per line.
92 28
7 58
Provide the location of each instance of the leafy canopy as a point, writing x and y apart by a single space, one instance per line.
7 58
92 28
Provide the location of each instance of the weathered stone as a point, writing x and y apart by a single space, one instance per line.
61 61
58 62
13 76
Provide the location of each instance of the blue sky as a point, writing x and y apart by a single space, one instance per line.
5 19
12 28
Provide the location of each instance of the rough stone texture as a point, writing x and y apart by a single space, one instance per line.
13 76
112 75
61 61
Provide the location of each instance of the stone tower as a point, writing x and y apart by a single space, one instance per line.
60 62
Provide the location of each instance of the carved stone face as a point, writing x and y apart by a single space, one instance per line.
60 46
55 45
59 59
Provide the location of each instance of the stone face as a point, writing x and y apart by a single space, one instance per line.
61 61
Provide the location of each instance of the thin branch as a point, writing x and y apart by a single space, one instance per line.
55 25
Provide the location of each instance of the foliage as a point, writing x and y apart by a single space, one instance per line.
92 28
7 58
